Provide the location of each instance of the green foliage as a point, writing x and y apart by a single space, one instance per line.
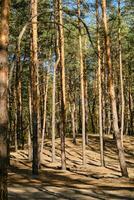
20 15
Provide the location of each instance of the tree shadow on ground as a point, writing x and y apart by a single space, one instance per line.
59 185
81 183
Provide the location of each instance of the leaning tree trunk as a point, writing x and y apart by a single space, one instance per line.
112 95
4 98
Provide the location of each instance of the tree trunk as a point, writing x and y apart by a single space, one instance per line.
44 113
53 114
73 122
82 86
100 88
15 122
121 75
63 96
19 96
35 164
86 102
4 98
54 98
112 95
30 124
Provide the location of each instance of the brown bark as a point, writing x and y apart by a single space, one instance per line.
15 122
86 100
30 123
4 97
35 164
99 87
63 95
103 95
44 112
54 98
19 95
73 112
112 95
121 73
53 114
82 85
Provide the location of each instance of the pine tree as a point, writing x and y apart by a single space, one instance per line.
4 39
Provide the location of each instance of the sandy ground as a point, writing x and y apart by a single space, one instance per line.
77 182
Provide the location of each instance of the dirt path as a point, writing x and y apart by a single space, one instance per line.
80 183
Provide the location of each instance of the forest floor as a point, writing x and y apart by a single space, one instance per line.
77 182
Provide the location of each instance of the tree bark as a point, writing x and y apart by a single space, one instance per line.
121 73
112 95
4 97
30 123
35 164
54 98
63 95
99 88
44 113
73 111
19 96
15 122
82 86
86 101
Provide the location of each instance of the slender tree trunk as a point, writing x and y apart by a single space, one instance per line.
4 98
121 75
19 96
35 164
109 121
29 145
10 105
92 120
44 113
38 108
63 95
112 95
30 123
73 122
103 95
86 103
103 102
76 121
82 86
54 98
58 127
53 114
100 88
15 122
